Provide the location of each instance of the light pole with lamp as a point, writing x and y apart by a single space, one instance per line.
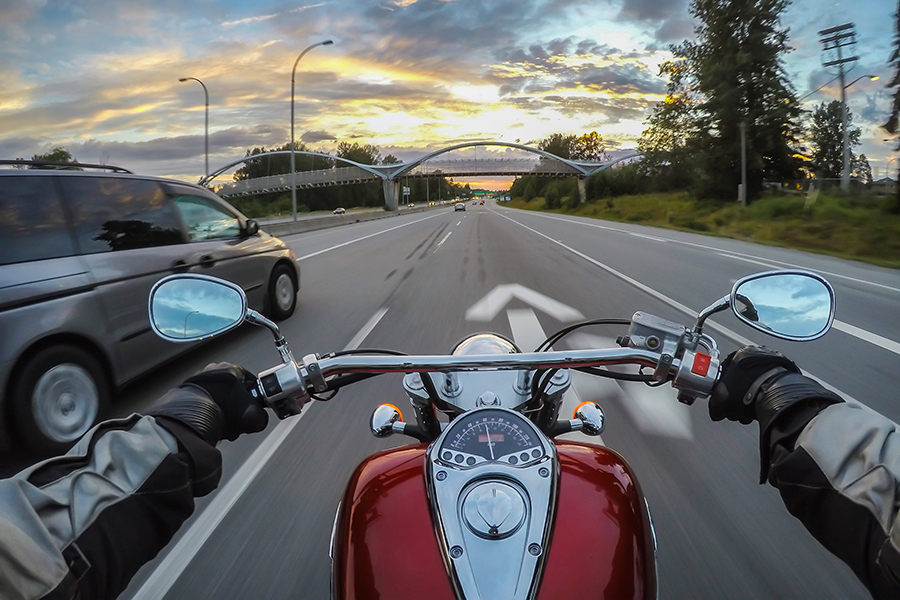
293 169
206 138
845 173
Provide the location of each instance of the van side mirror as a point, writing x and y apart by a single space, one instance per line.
252 227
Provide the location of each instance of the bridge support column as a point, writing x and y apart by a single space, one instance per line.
391 194
582 191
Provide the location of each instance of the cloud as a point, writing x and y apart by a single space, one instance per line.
249 20
317 136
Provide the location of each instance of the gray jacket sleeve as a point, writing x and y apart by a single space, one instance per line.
840 475
80 525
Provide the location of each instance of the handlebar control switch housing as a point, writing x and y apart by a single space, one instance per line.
697 375
284 389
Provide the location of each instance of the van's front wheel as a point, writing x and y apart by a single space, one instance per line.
59 395
282 293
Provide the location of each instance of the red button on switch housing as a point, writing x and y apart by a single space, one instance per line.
701 364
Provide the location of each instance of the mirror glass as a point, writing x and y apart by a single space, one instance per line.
187 309
788 305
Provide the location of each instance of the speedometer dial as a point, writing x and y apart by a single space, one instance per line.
490 435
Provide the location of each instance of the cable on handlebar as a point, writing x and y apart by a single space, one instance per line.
546 344
368 351
640 377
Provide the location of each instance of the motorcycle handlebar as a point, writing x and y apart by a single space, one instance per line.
694 374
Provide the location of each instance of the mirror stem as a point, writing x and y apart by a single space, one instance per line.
257 319
718 306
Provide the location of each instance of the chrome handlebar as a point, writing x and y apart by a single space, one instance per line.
287 387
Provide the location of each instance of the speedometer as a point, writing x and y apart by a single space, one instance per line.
490 435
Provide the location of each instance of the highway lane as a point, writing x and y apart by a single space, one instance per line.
720 534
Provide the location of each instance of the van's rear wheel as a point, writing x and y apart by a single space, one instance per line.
59 395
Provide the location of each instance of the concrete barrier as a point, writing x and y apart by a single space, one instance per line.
327 221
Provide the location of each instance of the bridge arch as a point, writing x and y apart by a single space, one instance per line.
404 168
389 174
204 180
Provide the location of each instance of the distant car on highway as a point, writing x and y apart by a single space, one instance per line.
339 211
410 205
79 252
460 206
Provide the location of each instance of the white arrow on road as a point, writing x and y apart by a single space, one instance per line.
497 299
528 333
654 410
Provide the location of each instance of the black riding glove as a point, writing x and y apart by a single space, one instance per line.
216 404
762 384
734 397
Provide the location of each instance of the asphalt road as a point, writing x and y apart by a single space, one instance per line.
721 535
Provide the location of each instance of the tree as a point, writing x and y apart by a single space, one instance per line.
860 169
58 155
589 147
365 154
672 127
827 139
558 144
390 159
735 70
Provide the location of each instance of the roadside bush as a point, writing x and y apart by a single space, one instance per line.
551 196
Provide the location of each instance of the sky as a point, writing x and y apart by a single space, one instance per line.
100 77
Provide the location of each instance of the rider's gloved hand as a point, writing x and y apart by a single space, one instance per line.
743 373
215 403
761 384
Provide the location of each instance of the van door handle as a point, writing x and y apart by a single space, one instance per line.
207 260
179 266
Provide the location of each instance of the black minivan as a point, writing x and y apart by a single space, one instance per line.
79 252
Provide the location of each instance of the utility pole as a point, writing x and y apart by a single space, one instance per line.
743 163
833 41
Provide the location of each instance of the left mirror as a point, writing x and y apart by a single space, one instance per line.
189 308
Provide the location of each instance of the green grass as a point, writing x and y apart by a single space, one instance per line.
854 227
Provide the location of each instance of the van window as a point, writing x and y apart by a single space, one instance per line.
206 220
32 222
111 214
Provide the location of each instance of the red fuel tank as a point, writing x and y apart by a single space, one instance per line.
601 547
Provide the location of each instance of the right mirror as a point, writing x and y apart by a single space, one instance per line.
792 305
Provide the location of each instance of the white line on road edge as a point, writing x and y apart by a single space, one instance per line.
729 253
365 237
177 560
867 336
442 241
673 303
862 334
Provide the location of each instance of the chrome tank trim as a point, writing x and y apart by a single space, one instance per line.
497 558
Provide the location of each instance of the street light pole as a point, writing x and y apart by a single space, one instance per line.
293 149
206 137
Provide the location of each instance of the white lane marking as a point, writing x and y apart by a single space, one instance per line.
365 237
867 336
179 557
741 340
528 333
497 299
648 237
856 332
442 241
366 329
749 260
457 224
734 254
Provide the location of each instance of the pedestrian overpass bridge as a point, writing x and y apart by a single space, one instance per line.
531 161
